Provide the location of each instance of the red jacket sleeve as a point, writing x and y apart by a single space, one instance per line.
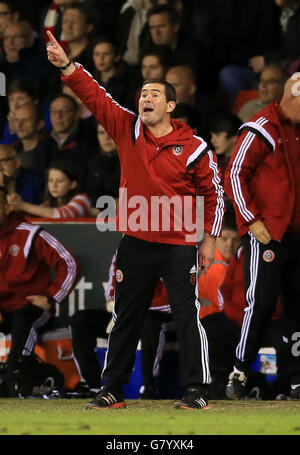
60 259
113 117
249 152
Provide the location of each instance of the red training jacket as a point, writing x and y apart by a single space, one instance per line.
261 178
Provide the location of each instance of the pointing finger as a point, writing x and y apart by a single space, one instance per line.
52 39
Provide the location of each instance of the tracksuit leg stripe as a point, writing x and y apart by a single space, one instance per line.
250 297
32 337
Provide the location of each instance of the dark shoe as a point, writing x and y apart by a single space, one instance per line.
194 398
106 400
147 392
236 387
295 392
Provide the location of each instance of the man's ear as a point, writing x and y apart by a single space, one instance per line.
41 125
90 27
74 184
171 106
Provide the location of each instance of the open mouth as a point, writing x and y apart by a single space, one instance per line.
148 109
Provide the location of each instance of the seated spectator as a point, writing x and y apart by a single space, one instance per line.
130 24
183 79
226 248
77 26
163 28
34 147
19 92
224 134
284 46
270 86
7 15
74 139
24 56
112 72
29 185
155 63
290 45
39 272
103 177
63 198
52 22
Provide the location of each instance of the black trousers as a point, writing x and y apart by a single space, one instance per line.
270 271
139 266
24 325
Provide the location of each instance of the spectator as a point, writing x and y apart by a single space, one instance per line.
262 180
226 248
63 198
155 62
130 25
7 15
34 147
20 92
290 42
183 79
73 138
83 111
77 26
163 28
28 291
28 184
52 22
104 172
270 86
24 56
112 72
224 135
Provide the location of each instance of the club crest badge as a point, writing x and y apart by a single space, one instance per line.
269 256
177 150
14 250
119 276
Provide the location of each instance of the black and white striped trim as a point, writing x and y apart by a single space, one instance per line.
261 132
195 157
33 234
136 128
202 403
32 337
202 335
236 169
217 226
250 296
108 398
70 262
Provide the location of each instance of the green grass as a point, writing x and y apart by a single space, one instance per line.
69 417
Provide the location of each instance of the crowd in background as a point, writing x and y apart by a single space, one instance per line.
226 59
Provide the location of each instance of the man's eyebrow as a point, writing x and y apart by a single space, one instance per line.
151 90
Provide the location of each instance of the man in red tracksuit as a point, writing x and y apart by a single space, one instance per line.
263 181
28 256
160 159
